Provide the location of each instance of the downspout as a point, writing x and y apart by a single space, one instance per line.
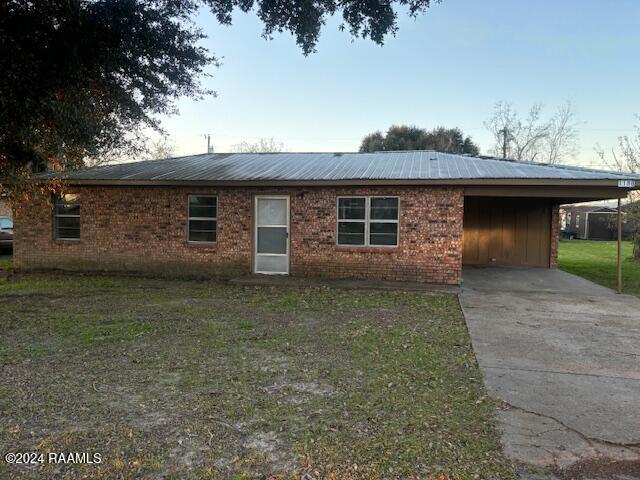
586 226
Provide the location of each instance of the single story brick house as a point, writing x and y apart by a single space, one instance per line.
413 216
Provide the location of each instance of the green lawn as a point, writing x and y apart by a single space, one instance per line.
196 379
596 261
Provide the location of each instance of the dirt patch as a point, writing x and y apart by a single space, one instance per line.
273 448
601 469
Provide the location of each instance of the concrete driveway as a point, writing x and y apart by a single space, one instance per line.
563 355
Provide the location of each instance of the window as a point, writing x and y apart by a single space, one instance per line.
67 217
578 221
203 218
368 221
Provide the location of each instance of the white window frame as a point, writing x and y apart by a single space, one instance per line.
57 215
367 221
207 219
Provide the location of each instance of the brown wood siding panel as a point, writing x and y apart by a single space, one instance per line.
506 231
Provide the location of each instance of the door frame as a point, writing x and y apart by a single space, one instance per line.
255 234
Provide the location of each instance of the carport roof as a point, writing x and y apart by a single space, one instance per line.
401 167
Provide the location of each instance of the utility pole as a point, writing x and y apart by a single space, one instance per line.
209 146
504 132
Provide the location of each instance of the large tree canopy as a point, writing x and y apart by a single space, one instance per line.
402 137
82 79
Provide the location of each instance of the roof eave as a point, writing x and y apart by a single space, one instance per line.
546 182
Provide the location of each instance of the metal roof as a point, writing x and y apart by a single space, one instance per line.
410 166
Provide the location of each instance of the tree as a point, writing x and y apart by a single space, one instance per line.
83 79
626 158
403 137
533 138
159 149
264 145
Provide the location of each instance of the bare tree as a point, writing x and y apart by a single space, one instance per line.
264 145
144 150
626 158
159 149
562 141
533 138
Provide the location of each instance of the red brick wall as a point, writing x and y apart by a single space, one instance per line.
5 209
430 241
144 229
555 234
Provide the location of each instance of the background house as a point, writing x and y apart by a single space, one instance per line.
592 222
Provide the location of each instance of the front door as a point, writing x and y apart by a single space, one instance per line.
271 240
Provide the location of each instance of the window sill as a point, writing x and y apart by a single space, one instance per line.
209 245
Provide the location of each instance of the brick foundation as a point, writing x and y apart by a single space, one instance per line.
144 229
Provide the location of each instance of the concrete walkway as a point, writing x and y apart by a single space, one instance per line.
563 355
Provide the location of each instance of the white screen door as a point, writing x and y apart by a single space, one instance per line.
271 235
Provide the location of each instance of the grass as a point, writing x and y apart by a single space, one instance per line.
596 261
6 264
187 379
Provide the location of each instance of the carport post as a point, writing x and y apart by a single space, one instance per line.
619 266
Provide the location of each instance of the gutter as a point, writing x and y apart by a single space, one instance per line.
613 183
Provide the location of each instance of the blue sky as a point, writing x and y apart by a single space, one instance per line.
448 67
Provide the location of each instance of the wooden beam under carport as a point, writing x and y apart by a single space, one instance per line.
559 193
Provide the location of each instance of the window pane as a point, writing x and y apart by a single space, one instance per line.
68 233
272 240
202 236
383 233
6 223
203 201
203 207
68 222
384 208
351 208
202 230
67 208
351 233
67 227
198 211
272 211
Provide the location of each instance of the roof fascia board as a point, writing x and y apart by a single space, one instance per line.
595 192
358 182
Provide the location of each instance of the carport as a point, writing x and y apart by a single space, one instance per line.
517 225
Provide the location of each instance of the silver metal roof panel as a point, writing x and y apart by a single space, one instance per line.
329 167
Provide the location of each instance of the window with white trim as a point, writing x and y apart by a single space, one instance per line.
203 218
66 217
368 221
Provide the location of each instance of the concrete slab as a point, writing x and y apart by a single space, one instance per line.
563 356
